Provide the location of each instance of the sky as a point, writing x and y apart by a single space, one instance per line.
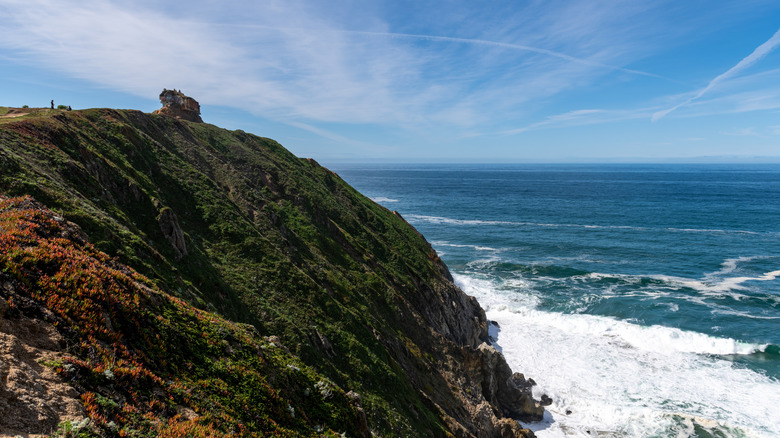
423 81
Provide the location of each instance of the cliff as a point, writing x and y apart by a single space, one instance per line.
203 280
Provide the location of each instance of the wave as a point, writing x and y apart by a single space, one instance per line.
456 245
609 377
655 338
772 350
732 264
450 221
707 293
721 310
544 271
381 199
667 339
712 284
715 285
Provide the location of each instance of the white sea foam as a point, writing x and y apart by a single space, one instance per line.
457 245
718 281
730 265
656 338
381 199
728 311
451 221
624 380
412 218
718 286
587 258
483 263
712 283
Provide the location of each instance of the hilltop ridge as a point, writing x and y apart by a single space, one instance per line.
263 248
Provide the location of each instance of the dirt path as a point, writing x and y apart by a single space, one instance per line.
19 112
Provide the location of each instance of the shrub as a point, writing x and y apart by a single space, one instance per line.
62 106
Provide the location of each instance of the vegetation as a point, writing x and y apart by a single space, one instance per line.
287 290
143 359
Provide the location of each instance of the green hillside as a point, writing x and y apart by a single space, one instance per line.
241 248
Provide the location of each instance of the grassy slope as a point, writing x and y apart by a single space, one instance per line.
273 240
146 363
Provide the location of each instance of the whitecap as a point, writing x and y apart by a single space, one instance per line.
413 218
617 378
730 265
728 311
712 284
381 199
452 221
457 245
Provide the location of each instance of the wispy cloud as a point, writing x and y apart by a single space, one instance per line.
743 132
511 46
761 98
310 69
757 54
376 76
583 117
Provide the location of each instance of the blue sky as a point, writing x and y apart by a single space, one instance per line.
446 81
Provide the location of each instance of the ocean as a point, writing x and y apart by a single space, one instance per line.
643 299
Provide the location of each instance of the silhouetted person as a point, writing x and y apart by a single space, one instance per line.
68 107
52 104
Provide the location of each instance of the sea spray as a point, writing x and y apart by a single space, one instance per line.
614 378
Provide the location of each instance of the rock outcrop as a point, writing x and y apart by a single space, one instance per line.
169 225
176 104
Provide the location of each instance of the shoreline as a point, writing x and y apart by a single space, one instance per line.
604 385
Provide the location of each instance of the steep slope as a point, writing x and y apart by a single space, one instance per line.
142 361
235 224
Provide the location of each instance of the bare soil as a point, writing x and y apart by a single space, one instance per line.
34 400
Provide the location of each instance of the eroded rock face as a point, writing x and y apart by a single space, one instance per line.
172 231
176 104
34 399
476 373
510 391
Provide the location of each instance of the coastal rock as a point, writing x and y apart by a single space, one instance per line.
322 343
361 420
449 311
509 428
169 225
509 392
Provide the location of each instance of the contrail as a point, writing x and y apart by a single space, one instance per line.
478 42
511 46
746 62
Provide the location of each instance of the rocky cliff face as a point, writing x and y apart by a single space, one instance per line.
176 104
235 225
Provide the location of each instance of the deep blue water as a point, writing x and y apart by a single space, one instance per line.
667 266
